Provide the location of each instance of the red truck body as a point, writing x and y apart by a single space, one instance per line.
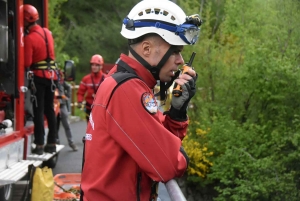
16 141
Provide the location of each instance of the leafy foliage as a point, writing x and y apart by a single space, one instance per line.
249 98
198 154
94 28
58 31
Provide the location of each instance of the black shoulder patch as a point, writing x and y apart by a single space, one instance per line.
120 78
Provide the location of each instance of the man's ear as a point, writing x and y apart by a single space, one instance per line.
146 48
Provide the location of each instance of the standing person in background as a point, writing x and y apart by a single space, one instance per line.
64 90
130 145
39 58
90 84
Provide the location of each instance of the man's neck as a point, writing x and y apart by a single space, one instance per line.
31 26
96 73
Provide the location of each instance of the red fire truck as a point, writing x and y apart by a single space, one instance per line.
16 130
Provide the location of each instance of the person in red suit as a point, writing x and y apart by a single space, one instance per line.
90 83
130 145
39 58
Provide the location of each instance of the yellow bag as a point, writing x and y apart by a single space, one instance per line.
42 185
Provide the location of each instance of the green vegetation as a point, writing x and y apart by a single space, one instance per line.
94 27
60 34
248 101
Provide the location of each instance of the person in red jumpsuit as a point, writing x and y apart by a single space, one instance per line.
90 84
130 145
39 58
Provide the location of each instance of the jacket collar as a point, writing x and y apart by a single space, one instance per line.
139 69
99 74
34 28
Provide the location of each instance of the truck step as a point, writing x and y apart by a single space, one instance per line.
16 171
45 156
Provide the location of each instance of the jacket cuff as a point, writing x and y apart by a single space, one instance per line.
185 156
176 115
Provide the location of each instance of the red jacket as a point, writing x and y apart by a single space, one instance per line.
126 146
88 87
35 50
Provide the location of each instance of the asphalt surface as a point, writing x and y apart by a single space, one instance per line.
70 161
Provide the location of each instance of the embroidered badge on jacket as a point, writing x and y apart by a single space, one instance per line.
149 103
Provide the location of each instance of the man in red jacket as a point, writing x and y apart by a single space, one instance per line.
130 145
39 58
90 84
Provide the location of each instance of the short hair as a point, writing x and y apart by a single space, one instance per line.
141 38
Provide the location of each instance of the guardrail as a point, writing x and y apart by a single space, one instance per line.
172 186
73 98
174 191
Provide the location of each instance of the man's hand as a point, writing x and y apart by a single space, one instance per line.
64 97
179 104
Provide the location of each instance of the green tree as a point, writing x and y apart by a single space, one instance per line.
58 31
94 27
249 97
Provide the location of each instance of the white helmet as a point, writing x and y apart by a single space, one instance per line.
162 17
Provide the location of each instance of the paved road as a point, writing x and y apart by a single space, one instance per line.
70 161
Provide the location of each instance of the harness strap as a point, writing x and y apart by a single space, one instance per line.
94 86
48 63
124 67
43 65
123 74
48 59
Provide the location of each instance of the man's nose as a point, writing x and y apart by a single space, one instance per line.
179 59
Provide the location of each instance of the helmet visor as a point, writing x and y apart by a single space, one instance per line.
189 33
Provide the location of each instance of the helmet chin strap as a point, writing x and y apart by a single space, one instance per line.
154 70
